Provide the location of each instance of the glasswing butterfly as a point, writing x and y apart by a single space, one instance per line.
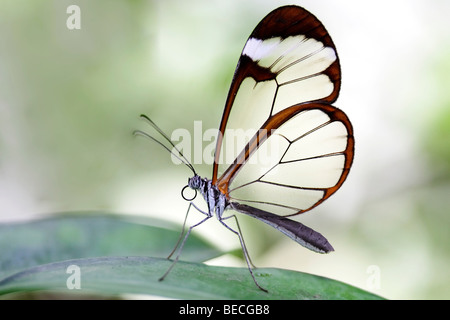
286 79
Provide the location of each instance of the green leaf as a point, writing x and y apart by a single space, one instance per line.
113 255
139 275
73 236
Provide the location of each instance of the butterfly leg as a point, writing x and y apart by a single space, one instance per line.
182 232
208 216
240 232
183 227
244 248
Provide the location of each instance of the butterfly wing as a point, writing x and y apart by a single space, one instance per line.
282 146
289 46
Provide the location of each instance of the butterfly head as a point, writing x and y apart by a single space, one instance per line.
194 183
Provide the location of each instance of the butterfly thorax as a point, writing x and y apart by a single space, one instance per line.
216 200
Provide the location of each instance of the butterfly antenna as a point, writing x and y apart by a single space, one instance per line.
180 155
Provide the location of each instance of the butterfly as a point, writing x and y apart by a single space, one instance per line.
298 147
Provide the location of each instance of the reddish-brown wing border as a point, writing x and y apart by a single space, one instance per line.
274 123
283 22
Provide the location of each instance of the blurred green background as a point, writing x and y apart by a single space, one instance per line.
70 100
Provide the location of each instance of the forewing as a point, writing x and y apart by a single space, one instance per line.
289 59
